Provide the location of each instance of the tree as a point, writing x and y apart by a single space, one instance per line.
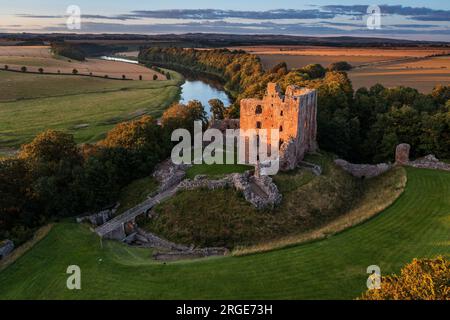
155 77
314 71
217 109
123 77
340 66
422 279
183 116
441 94
24 69
41 70
75 71
6 67
15 185
144 141
50 147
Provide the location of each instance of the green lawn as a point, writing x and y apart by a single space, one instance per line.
86 107
416 225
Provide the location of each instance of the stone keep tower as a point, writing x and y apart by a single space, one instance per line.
294 113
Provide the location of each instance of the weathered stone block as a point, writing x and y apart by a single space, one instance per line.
402 153
6 247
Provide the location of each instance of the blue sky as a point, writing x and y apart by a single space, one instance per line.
427 20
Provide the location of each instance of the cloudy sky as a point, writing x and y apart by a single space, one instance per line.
422 20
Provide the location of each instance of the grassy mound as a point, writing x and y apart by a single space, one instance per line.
224 218
416 225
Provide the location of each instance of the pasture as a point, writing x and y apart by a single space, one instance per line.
38 57
422 74
84 106
416 225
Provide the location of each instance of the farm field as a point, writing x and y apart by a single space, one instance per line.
416 225
40 57
84 106
390 67
423 75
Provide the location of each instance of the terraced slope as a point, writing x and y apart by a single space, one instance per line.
416 225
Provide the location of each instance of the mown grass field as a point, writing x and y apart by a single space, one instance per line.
416 225
86 107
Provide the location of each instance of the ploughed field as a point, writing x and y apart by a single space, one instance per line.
413 67
85 106
37 57
416 225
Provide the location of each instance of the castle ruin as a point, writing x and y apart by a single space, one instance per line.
294 113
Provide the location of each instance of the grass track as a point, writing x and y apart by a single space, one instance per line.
416 225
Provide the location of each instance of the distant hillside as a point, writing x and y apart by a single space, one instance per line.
220 40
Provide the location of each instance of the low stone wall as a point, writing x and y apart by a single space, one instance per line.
97 219
259 191
429 162
6 247
169 174
363 170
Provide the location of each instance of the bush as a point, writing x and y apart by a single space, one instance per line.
340 66
74 71
155 77
422 279
41 70
6 67
24 69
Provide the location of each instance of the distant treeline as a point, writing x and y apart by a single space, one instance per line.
196 40
68 51
80 51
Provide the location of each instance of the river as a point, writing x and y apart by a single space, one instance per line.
202 91
198 89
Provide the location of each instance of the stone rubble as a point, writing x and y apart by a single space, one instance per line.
6 247
363 170
169 174
259 191
97 219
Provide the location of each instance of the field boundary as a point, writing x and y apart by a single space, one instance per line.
83 93
341 224
73 75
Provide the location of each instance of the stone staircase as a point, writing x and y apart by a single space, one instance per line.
131 214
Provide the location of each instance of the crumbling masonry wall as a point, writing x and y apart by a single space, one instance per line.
294 113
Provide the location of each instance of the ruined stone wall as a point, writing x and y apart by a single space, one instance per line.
293 113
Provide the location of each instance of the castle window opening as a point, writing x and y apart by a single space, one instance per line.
258 109
281 113
281 128
258 124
